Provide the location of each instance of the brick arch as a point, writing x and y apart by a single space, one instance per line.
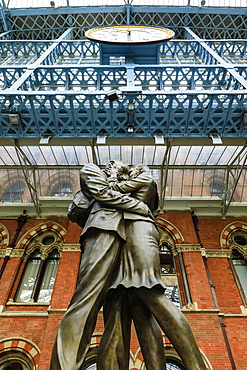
55 178
169 351
23 346
5 236
171 229
10 179
39 229
228 230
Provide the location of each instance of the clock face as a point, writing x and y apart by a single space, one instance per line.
129 35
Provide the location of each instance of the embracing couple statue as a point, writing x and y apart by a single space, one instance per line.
120 270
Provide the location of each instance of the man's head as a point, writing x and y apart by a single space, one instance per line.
116 169
137 170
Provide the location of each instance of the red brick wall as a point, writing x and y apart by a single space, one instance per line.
205 324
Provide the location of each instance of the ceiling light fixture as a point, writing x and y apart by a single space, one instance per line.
14 118
216 139
159 139
101 139
44 140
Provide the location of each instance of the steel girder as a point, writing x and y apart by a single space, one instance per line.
59 89
49 23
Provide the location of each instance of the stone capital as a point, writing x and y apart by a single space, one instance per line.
11 252
71 248
223 253
181 248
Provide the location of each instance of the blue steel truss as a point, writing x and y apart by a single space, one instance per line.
50 23
57 86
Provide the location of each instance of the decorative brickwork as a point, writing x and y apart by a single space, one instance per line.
23 346
39 323
41 229
229 229
4 237
171 229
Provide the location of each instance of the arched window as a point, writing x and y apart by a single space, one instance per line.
169 275
237 242
92 367
14 360
39 276
166 259
14 192
14 366
62 189
173 366
217 189
169 366
240 265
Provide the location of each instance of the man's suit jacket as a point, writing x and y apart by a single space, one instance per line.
108 211
144 188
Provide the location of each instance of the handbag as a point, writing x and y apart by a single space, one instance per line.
80 208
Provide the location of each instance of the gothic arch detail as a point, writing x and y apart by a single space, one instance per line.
24 347
4 236
55 178
49 226
171 230
228 230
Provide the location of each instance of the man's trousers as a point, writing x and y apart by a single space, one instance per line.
97 271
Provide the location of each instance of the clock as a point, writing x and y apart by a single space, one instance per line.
129 35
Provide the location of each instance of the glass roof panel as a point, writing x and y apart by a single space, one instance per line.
239 157
11 156
193 155
46 156
126 154
5 158
229 154
159 154
182 154
204 155
104 155
149 155
137 154
34 154
59 154
83 154
114 152
205 182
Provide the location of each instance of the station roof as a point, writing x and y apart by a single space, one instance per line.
192 172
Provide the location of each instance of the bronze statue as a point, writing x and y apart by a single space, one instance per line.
139 274
101 241
121 264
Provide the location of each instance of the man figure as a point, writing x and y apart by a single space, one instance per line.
102 236
139 274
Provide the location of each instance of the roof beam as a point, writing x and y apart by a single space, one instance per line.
220 60
130 140
121 8
38 62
